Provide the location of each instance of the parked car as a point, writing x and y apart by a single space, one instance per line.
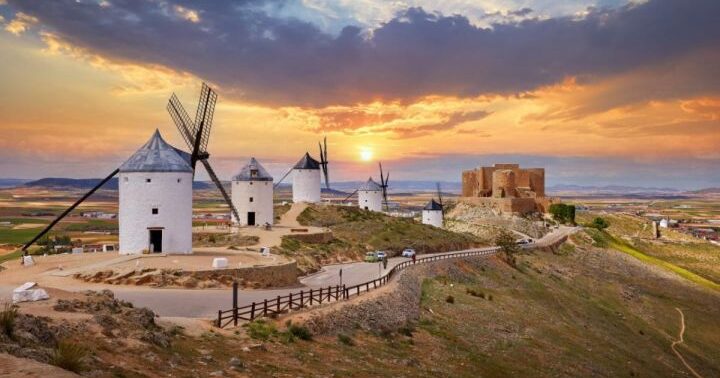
371 257
408 252
381 255
524 241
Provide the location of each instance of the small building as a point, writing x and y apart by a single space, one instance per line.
155 189
370 196
252 195
306 180
432 214
664 223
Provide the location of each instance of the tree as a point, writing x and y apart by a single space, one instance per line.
506 241
563 213
600 223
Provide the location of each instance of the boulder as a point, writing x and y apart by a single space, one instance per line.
28 292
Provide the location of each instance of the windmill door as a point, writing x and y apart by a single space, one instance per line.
155 241
251 218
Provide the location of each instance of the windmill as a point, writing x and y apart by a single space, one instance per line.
324 161
384 185
196 134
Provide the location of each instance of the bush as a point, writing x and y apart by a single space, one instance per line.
600 223
69 356
300 332
475 293
7 318
345 339
450 299
406 330
260 330
563 213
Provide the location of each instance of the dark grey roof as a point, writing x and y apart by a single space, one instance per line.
433 205
370 186
157 156
307 162
253 171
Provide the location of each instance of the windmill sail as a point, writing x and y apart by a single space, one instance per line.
384 185
69 209
324 161
197 134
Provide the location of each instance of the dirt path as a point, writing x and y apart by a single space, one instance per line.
681 341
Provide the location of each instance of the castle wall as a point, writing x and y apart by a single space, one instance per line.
513 189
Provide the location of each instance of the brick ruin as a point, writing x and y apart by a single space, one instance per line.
506 188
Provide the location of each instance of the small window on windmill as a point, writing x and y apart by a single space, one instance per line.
253 173
154 210
148 180
179 180
251 199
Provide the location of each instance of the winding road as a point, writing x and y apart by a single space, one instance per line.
204 303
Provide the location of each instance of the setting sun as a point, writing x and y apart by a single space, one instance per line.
366 154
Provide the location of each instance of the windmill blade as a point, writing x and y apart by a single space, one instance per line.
182 120
69 209
283 178
324 161
204 117
217 182
439 193
351 194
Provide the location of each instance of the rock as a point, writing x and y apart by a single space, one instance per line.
218 373
236 363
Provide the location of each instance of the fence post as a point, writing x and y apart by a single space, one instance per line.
219 323
302 298
290 303
278 304
235 309
252 311
311 296
265 308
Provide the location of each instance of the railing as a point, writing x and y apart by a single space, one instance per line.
305 298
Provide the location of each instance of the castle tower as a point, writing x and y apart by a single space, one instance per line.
306 180
432 214
370 196
503 184
252 195
155 186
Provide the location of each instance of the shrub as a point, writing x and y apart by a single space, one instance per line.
69 356
260 330
406 330
345 339
563 213
300 332
506 241
490 297
7 318
450 299
600 223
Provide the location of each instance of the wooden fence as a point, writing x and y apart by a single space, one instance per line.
305 298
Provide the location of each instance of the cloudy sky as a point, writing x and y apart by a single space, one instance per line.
598 92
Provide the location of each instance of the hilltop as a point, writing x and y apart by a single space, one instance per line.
71 183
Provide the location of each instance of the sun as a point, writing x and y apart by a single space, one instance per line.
366 154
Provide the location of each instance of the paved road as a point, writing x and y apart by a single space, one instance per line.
205 303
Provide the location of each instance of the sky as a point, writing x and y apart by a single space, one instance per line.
612 92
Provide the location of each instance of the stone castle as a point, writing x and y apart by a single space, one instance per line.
506 188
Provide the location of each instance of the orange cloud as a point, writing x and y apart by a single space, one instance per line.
21 23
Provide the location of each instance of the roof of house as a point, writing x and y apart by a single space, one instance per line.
370 186
157 156
433 205
253 171
307 162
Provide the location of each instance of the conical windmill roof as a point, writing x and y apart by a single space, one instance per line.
433 206
157 156
307 162
253 171
370 186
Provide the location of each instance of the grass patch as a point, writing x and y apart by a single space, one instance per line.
261 330
345 339
20 236
7 318
69 356
11 256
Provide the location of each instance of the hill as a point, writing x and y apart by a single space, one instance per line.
71 183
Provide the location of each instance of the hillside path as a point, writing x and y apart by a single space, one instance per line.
679 341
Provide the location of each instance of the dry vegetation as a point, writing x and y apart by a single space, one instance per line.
357 231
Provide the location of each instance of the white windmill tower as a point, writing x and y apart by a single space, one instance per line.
252 195
433 212
306 180
155 186
370 196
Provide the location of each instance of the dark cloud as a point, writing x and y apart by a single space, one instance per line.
287 61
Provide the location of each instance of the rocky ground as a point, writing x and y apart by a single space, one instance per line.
485 224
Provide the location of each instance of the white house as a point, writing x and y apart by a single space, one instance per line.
664 223
155 186
432 214
306 180
252 195
370 196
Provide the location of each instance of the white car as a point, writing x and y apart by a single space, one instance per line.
408 252
381 255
